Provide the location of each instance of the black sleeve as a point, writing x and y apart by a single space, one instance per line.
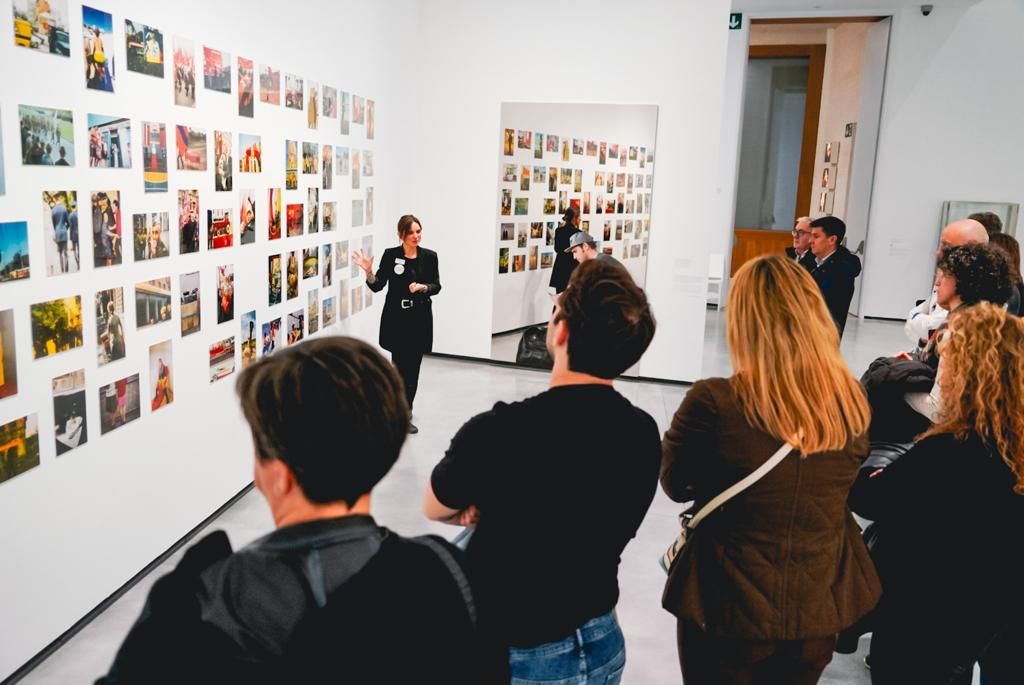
689 442
458 479
433 276
383 273
878 494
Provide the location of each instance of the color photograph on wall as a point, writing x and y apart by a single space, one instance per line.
42 26
247 217
110 341
341 161
19 446
250 158
110 140
343 299
310 158
246 98
330 213
223 171
190 143
188 221
312 105
341 255
8 355
151 233
222 359
330 311
14 265
310 263
248 337
327 167
271 336
358 110
216 70
191 308
225 293
345 116
152 302
293 218
295 326
70 428
270 85
273 279
184 59
144 49
56 326
312 210
219 233
292 91
47 136
154 160
326 259
313 310
273 213
106 228
161 377
371 119
330 108
291 165
98 39
120 403
292 275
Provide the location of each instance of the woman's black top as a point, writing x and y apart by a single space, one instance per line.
407 324
564 263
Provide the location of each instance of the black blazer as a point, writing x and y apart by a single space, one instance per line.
835 279
807 261
564 263
407 324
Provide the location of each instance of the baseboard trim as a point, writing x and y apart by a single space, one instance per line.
66 636
513 365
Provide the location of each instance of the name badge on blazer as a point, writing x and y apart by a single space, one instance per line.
399 266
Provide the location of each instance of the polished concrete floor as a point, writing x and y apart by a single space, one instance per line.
450 393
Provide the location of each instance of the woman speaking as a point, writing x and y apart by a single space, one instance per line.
406 324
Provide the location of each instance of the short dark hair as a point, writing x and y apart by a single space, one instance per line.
831 226
990 220
1008 244
332 409
982 272
610 321
405 224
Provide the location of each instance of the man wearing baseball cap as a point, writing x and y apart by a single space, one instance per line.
583 248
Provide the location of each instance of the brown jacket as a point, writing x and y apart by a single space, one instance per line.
784 560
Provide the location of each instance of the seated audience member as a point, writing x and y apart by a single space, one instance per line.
835 267
1009 245
329 595
769 580
583 248
928 315
555 511
990 220
966 275
801 250
950 513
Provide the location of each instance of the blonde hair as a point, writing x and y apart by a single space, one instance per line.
982 382
789 376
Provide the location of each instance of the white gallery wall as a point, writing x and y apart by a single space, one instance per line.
79 525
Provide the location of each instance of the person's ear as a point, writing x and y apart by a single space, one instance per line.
561 333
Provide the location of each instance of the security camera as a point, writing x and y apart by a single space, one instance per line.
927 9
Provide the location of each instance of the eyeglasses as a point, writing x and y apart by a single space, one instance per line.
797 234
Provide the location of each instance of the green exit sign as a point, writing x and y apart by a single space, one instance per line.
736 21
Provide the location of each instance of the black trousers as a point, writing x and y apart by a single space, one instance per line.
408 364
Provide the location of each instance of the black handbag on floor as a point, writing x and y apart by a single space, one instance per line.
533 349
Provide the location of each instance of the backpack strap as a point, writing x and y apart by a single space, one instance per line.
453 566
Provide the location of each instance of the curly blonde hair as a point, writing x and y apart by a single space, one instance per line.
982 382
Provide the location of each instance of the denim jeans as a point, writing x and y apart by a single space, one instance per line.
594 655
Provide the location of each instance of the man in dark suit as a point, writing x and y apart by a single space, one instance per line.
801 250
835 267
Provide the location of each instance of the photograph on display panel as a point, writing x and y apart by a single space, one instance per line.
271 336
273 213
295 326
330 311
110 343
270 85
246 98
42 26
152 302
312 105
273 279
98 40
190 305
310 263
219 231
8 355
109 141
190 143
216 70
345 100
70 428
154 160
247 217
291 165
330 212
188 221
313 311
248 337
106 228
327 261
47 136
341 256
20 441
152 235
312 210
184 61
119 403
144 48
330 104
358 109
223 170
161 376
60 226
371 119
293 91
343 299
292 276
225 293
222 359
56 326
293 219
250 158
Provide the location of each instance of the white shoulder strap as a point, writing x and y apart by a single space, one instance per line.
741 485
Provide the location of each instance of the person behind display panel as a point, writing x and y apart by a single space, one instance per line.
1009 245
406 323
564 263
950 589
329 591
775 575
549 599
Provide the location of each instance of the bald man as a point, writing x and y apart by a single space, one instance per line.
928 316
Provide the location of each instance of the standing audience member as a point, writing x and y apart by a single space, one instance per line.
554 515
952 578
330 595
990 220
583 248
928 315
1009 245
835 267
769 580
564 263
801 250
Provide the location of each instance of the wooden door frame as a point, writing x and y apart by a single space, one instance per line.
815 53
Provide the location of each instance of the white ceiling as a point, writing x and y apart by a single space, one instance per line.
817 7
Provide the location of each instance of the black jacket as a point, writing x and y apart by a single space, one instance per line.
887 381
407 323
564 262
835 278
339 600
807 261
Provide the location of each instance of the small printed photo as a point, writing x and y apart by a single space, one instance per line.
273 213
60 226
292 275
565 177
358 109
524 179
293 90
152 302
97 34
327 167
629 183
151 233
56 326
248 337
607 231
355 170
346 112
610 185
618 230
341 161
577 146
109 142
330 108
506 231
549 234
310 263
154 157
525 139
330 311
190 145
247 217
216 70
577 181
106 230
613 151
521 235
518 263
119 403
367 245
271 336
538 146
357 213
310 158
547 260
586 203
565 150
250 159
184 72
540 174
8 355
293 218
552 179
509 144
506 202
312 210
223 168
291 165
341 255
533 257
312 105
522 206
42 26
326 251
219 232
634 251
367 298
70 429
536 229
191 309
549 205
825 177
622 157
246 98
357 299
371 119
563 201
552 144
20 440
225 293
270 85
331 215
609 205
832 152
47 136
620 180
602 153
313 310
296 326
591 148
509 173
161 380
144 49
188 221
13 251
343 308
273 279
222 359
632 153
